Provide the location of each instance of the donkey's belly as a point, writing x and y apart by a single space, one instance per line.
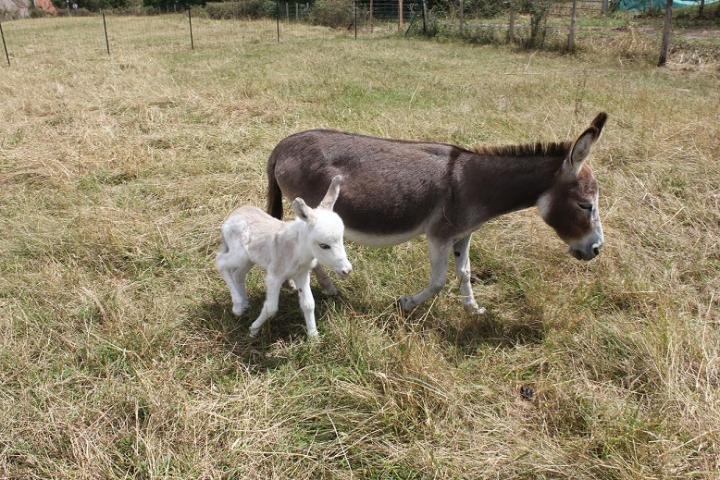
382 239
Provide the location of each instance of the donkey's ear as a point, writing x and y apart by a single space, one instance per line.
302 211
581 149
599 123
328 202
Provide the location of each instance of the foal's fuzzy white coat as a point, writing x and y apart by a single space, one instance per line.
288 251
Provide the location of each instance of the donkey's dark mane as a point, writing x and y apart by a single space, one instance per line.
554 149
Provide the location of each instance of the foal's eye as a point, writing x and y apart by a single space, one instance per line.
585 206
324 246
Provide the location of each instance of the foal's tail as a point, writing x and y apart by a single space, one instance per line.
274 195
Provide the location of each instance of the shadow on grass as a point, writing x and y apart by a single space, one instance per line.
472 332
214 318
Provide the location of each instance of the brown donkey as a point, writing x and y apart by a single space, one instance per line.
395 190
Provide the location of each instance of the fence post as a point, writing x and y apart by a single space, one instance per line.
666 34
371 16
277 18
571 33
462 17
400 13
511 25
2 34
605 6
287 12
355 17
297 12
192 41
107 42
424 15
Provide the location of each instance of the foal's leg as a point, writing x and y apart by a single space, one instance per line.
307 302
233 265
439 264
270 307
326 285
461 248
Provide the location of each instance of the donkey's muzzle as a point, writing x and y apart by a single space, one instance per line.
586 253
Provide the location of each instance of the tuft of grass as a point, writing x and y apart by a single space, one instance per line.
119 357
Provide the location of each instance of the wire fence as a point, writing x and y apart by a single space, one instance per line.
286 21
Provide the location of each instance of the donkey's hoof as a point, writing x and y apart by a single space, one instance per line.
313 335
474 309
238 309
291 285
407 303
329 290
254 332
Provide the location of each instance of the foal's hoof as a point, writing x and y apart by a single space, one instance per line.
474 309
238 310
407 304
254 332
313 335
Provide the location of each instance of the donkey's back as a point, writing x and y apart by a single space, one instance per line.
393 186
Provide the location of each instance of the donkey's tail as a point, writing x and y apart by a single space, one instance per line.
274 195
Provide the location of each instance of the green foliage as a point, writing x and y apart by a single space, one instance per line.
332 13
169 5
243 9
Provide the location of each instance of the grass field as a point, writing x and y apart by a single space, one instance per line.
119 357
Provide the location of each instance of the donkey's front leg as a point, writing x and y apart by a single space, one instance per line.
439 264
326 285
461 249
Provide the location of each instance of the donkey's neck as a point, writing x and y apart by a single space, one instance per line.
505 180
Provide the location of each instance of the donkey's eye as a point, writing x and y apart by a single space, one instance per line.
585 206
324 246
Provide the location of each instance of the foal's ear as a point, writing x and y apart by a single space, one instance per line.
581 148
328 202
302 211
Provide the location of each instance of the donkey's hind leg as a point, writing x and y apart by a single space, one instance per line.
439 263
461 249
326 285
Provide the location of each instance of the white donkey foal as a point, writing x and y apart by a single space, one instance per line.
288 251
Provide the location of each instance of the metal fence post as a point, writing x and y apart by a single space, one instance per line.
2 34
107 42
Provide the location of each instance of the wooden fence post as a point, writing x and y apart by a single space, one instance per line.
371 16
400 13
462 17
666 34
192 41
2 34
277 18
107 42
571 33
511 26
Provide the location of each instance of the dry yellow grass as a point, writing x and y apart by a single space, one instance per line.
119 357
